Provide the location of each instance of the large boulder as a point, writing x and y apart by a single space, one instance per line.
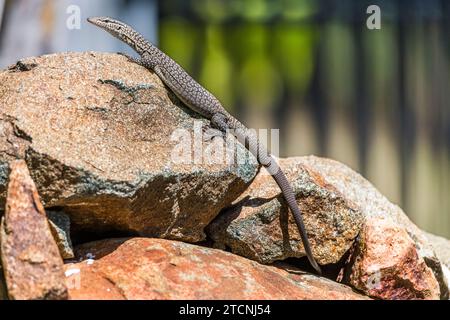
260 226
143 268
33 267
101 137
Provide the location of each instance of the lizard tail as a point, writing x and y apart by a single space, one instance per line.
288 193
264 158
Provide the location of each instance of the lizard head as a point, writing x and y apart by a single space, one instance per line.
115 27
121 31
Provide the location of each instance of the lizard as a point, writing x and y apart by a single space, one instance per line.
200 100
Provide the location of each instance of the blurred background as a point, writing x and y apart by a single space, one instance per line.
376 100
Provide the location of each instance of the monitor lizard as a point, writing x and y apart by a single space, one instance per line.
200 100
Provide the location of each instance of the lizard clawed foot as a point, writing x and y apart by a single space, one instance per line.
210 133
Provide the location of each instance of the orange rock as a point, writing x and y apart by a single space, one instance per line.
387 265
145 268
33 267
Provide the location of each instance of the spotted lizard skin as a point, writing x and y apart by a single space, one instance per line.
197 98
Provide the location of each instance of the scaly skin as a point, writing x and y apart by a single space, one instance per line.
203 102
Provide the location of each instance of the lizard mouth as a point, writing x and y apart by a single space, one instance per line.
99 21
93 20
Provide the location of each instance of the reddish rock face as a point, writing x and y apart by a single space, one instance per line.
387 265
144 268
33 267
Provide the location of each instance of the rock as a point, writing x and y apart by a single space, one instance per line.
97 131
3 291
144 268
32 265
260 226
60 227
391 259
441 246
388 266
319 288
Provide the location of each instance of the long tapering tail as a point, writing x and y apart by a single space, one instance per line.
288 194
264 158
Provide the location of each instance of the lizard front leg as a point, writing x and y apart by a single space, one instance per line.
209 133
218 127
219 120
